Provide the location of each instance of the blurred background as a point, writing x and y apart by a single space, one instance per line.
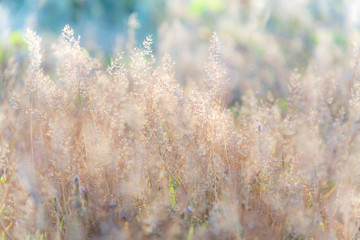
263 40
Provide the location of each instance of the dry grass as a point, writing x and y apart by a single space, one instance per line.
129 153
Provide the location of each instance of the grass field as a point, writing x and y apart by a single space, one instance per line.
126 150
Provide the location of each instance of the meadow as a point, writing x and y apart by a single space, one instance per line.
138 147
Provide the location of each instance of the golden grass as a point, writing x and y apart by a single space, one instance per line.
128 153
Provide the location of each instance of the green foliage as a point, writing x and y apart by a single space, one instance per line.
172 192
17 39
191 232
340 38
4 55
283 104
199 7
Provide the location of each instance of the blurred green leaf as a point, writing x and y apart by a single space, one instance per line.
200 6
4 55
17 39
191 233
283 105
339 38
172 192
